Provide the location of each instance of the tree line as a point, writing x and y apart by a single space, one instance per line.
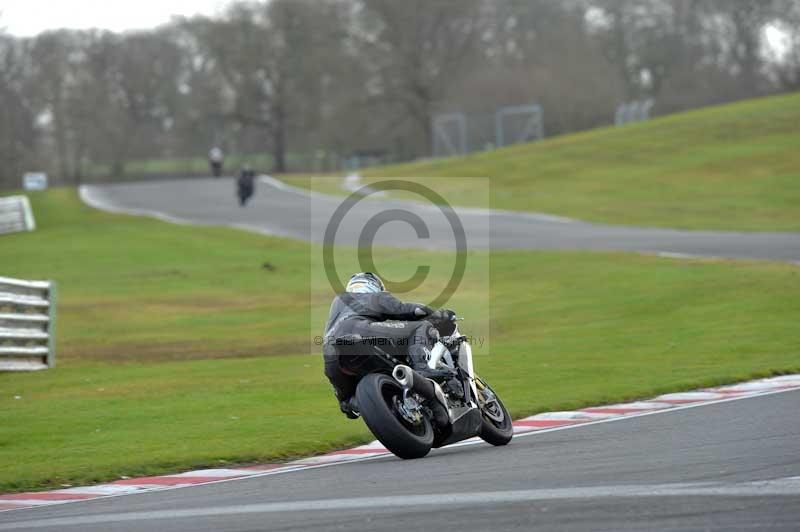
311 81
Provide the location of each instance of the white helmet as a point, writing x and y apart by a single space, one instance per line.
365 283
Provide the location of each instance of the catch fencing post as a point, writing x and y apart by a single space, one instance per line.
440 133
532 128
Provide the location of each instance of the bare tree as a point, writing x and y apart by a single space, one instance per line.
264 52
419 48
18 134
785 64
545 52
319 79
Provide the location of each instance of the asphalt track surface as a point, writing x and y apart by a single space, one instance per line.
720 467
286 211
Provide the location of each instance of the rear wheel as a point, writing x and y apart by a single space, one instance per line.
497 427
380 401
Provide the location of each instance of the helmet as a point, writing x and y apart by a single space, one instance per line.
365 283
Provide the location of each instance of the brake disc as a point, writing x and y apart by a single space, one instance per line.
489 405
408 409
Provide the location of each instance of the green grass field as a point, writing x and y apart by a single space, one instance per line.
188 165
734 167
179 349
233 162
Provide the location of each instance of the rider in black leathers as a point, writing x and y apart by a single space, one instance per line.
363 310
245 184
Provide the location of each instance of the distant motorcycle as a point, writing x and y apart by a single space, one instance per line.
410 414
245 185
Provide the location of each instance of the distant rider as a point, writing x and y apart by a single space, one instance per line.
215 158
245 185
403 330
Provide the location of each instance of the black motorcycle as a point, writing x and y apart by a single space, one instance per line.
410 414
245 186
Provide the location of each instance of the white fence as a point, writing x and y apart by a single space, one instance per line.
16 215
27 324
636 111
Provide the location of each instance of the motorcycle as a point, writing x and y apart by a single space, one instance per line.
411 414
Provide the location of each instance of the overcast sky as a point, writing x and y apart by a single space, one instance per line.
29 17
25 18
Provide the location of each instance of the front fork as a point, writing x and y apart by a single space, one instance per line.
465 360
440 351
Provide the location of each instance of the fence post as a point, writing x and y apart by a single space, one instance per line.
51 325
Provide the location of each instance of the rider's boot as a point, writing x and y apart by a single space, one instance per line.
350 408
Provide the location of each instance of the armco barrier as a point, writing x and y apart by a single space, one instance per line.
16 215
27 324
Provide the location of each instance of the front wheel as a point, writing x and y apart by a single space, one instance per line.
497 427
380 401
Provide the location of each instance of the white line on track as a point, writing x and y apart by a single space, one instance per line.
778 487
676 255
633 416
89 196
387 455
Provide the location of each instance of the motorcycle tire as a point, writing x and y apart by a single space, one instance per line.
376 395
497 432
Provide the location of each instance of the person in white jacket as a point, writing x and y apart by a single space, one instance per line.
215 158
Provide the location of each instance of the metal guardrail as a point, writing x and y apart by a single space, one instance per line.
27 324
16 215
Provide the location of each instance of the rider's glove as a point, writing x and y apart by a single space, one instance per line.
442 316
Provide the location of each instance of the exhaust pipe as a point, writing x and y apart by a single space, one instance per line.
410 379
404 375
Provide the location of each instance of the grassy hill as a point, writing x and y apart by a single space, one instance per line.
178 348
728 167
